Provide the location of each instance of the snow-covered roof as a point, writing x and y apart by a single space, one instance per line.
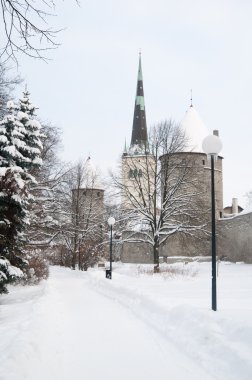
91 178
195 130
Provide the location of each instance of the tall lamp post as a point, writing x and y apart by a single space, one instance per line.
111 222
212 145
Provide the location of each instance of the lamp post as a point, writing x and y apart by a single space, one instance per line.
111 222
212 145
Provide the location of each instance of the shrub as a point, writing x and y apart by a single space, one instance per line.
37 268
8 274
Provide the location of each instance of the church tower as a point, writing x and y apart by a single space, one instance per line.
136 160
139 138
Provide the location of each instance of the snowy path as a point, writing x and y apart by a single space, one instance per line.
76 333
81 326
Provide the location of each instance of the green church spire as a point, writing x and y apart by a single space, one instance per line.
139 131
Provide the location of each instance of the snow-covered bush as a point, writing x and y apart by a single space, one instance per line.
37 268
8 274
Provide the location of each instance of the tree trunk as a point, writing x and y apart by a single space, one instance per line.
74 254
156 254
74 260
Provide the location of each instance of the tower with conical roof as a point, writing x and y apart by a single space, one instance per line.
197 186
195 132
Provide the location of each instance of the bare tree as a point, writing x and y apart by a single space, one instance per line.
51 176
82 216
160 193
25 27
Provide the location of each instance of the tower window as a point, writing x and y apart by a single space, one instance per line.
203 162
131 173
98 194
134 173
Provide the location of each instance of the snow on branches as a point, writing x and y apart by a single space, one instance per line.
20 150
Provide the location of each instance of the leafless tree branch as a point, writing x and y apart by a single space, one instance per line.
25 28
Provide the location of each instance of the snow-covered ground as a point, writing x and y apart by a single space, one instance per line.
137 326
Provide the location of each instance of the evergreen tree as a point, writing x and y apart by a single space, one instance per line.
14 192
33 145
42 205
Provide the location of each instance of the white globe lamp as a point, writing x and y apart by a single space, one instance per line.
111 221
212 145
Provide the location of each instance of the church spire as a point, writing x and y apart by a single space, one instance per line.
139 130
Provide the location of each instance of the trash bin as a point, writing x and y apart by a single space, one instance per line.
108 274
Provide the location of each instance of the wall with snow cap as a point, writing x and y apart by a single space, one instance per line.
234 243
235 237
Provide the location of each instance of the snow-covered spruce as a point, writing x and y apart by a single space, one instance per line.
33 145
19 147
8 274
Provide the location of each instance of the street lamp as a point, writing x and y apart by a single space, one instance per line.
212 145
111 222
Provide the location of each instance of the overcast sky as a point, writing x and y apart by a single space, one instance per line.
88 89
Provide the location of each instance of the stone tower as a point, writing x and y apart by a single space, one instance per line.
195 132
88 198
136 158
200 185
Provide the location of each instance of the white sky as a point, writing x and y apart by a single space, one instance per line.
88 88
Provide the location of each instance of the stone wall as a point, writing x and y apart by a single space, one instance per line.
136 250
234 242
234 239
